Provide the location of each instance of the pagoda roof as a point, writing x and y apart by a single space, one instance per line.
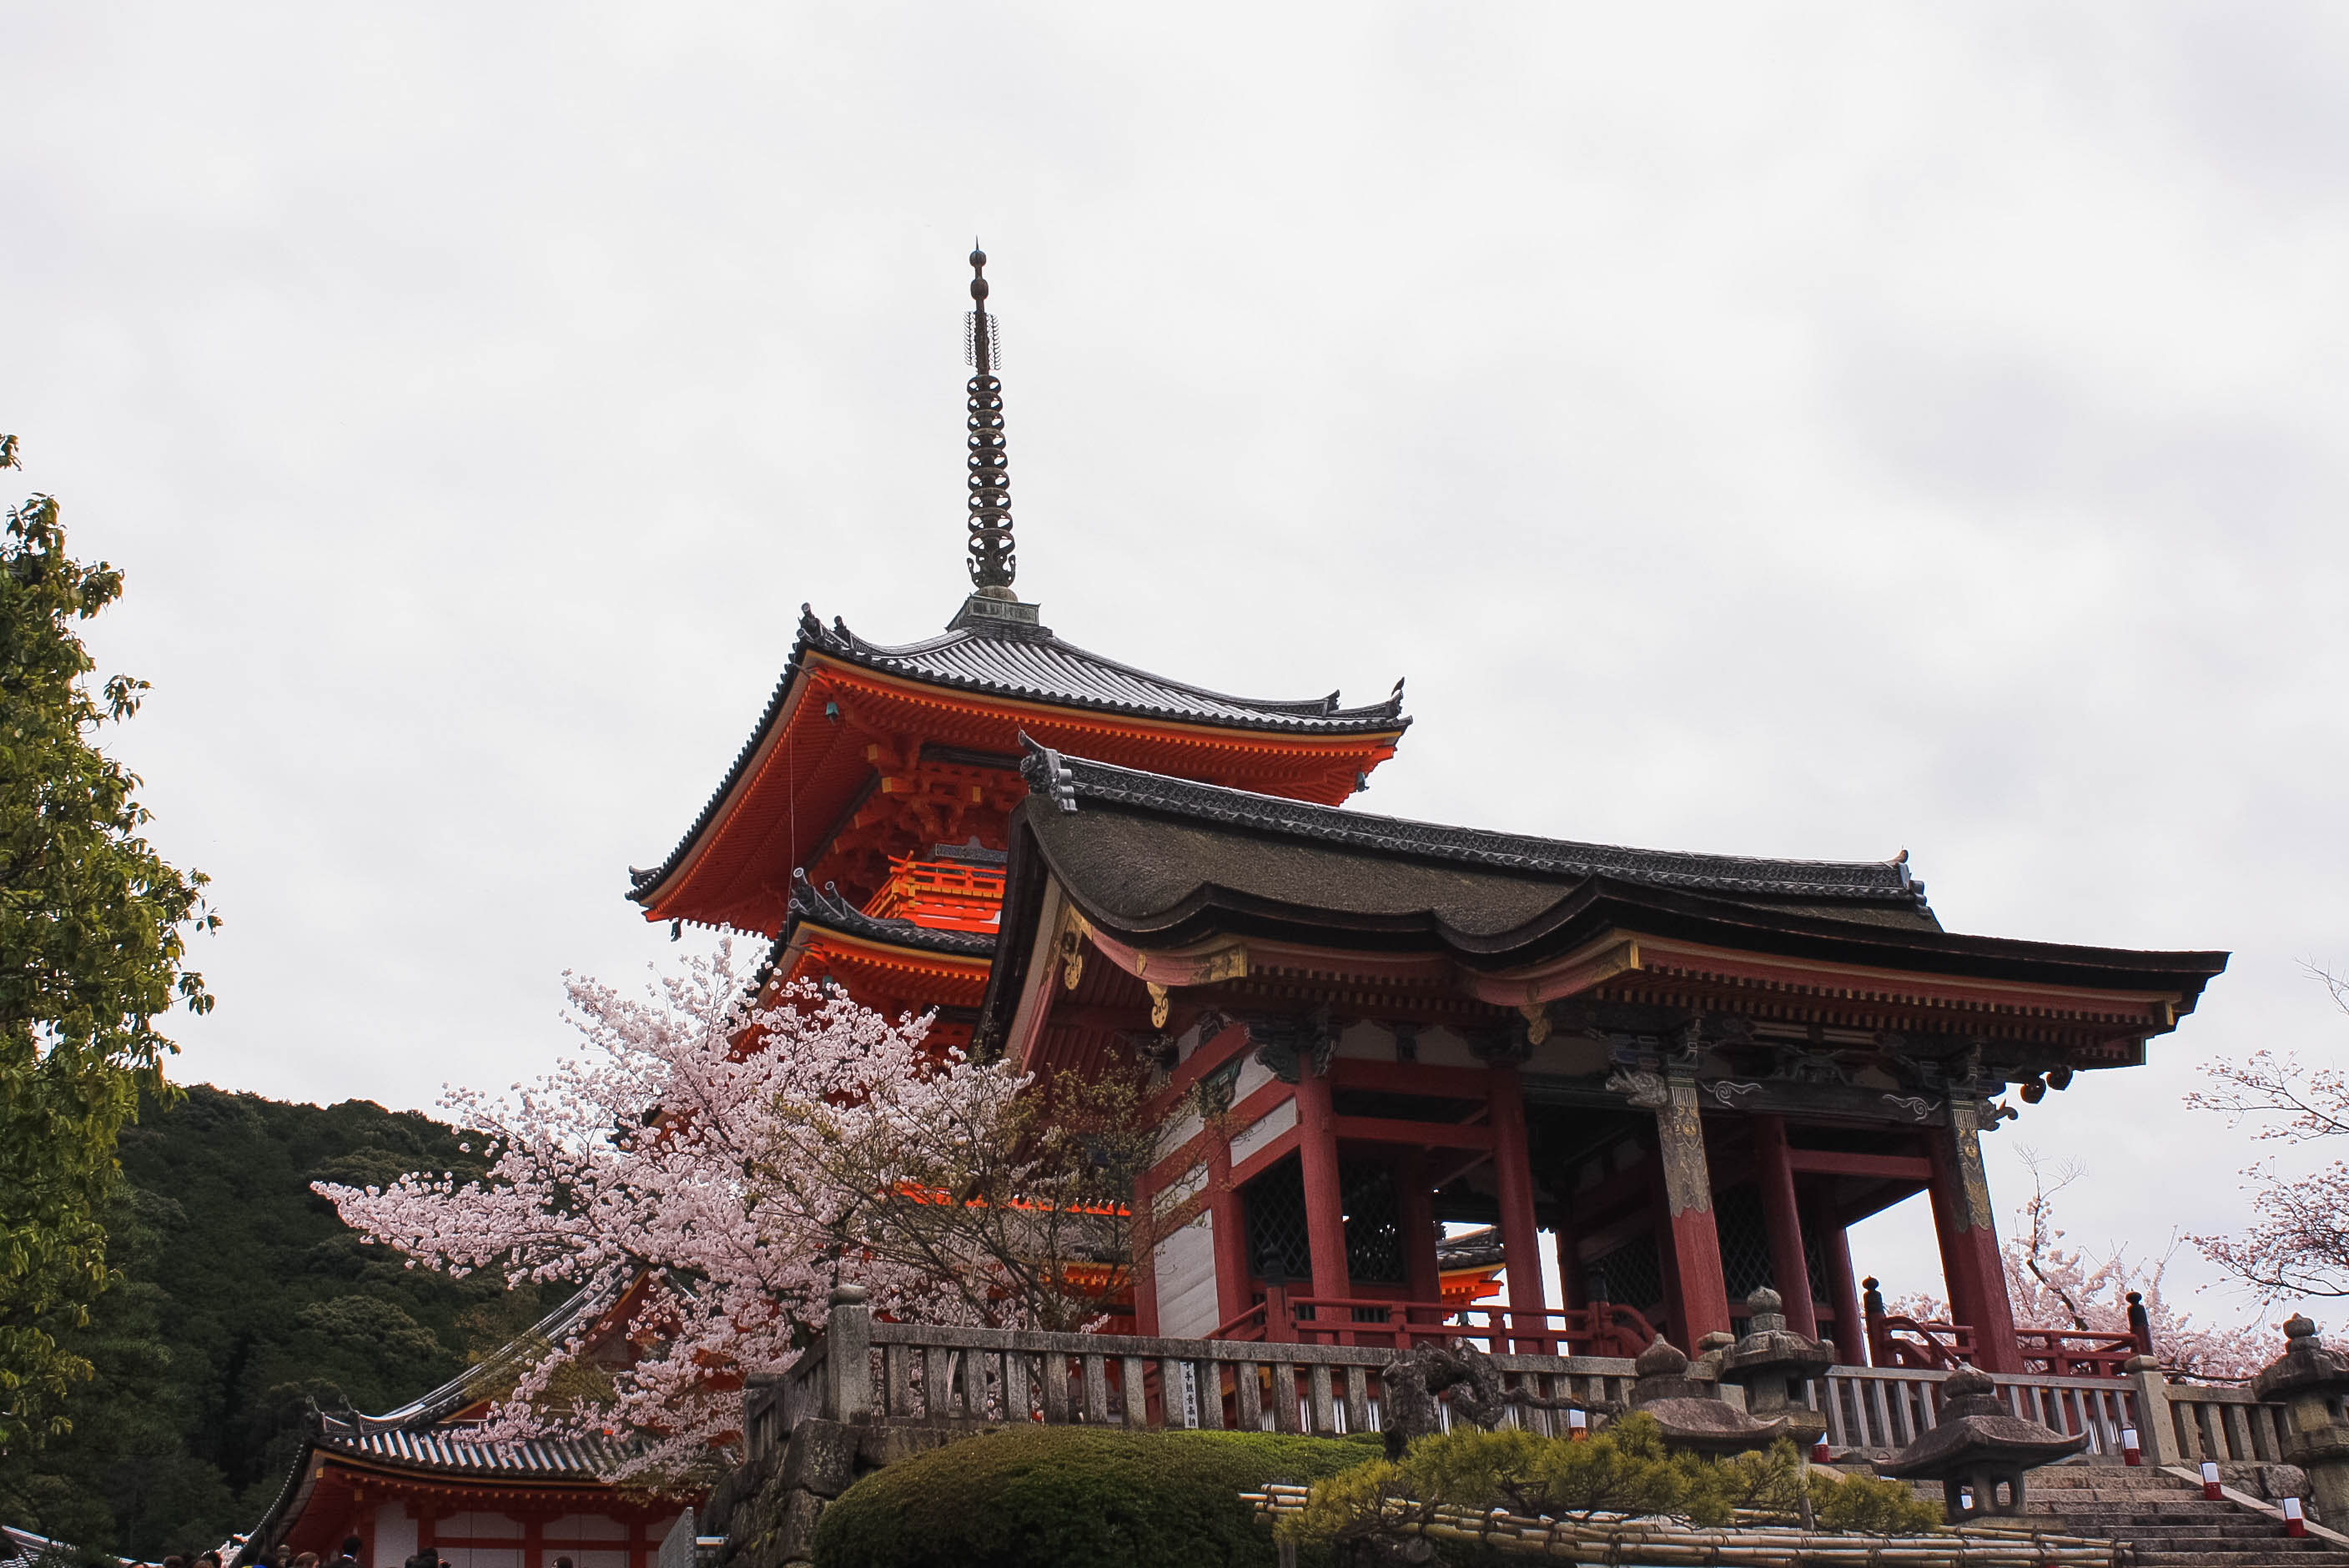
827 911
1032 664
1034 673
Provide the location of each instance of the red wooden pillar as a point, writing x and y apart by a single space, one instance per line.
1970 1266
1415 1206
1513 1168
1325 1204
1695 1244
1782 1217
1835 1242
1674 1325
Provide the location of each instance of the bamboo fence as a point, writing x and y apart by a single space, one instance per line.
1622 1543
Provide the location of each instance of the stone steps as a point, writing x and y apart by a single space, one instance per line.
2166 1520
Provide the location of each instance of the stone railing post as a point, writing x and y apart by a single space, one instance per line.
2157 1429
848 1356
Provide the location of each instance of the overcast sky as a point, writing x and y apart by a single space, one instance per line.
1787 430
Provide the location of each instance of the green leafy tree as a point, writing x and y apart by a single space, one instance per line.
244 1301
93 925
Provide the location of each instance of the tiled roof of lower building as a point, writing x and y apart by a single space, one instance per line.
1070 781
453 1450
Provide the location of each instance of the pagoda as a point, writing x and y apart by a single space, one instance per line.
863 825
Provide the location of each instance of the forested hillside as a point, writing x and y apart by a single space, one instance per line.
244 1300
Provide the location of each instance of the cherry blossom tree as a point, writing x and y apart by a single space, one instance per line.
709 1170
2298 1242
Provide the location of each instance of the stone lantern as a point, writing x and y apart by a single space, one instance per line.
1775 1364
1690 1409
2311 1382
1979 1446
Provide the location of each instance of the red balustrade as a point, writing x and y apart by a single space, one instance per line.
1601 1328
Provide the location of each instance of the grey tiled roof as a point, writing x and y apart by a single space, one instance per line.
1069 781
452 1448
1030 663
829 910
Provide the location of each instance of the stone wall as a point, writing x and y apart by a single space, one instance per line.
767 1511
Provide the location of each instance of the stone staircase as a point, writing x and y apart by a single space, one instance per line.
2167 1520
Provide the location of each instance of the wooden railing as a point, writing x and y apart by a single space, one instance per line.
867 1371
2076 1352
1894 1341
1602 1329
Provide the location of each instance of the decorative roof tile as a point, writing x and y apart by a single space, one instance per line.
833 912
1030 663
453 1450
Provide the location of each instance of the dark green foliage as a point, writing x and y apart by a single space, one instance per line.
93 924
244 1299
1073 1497
1872 1506
1627 1470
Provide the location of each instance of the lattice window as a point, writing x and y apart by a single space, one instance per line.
1374 1253
1275 1221
1815 1263
1744 1241
1630 1275
1374 1211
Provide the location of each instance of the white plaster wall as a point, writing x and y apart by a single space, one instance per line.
1176 1193
1173 1134
1254 1076
589 1539
1184 1267
481 1556
395 1534
1264 1129
478 1523
1439 1046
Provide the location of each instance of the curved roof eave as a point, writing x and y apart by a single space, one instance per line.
1309 718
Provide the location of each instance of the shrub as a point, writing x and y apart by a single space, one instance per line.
1627 1470
1046 1497
1870 1506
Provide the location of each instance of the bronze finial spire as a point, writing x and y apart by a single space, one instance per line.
992 563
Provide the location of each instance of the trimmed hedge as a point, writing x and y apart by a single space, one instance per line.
1076 1497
